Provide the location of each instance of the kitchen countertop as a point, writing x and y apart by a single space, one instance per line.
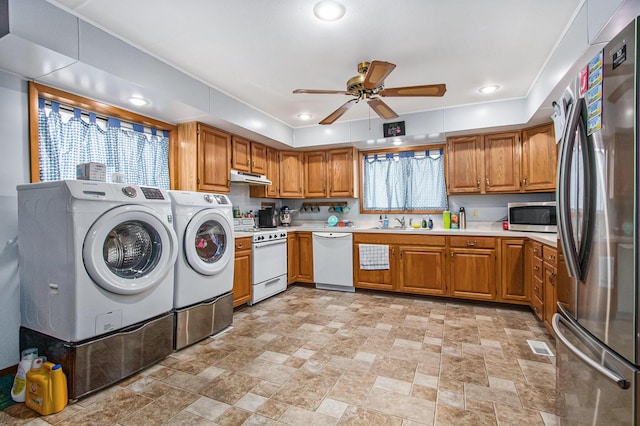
488 229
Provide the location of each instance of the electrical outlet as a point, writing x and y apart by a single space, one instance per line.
474 212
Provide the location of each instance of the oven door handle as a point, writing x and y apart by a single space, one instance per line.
268 243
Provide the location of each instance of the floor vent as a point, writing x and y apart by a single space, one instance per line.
539 348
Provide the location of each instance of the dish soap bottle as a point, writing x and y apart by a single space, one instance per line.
385 224
424 222
430 224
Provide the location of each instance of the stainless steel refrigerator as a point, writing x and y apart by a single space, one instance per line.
597 200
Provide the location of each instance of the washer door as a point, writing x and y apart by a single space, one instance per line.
129 250
208 242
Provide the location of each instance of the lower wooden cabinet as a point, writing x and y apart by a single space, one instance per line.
549 272
242 271
472 267
515 285
300 257
421 269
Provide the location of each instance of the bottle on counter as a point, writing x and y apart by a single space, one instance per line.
430 224
380 222
446 219
385 224
454 220
424 222
462 218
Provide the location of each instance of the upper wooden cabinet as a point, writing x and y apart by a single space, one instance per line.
341 172
291 174
502 162
248 156
315 174
272 173
203 158
330 173
539 157
464 165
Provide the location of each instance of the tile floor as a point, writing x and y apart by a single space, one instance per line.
313 357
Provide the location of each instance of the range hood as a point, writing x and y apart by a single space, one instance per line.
250 178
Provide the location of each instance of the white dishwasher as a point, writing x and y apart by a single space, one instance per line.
333 260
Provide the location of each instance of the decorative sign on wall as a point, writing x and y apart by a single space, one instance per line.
393 129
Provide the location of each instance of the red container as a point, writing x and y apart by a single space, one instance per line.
505 225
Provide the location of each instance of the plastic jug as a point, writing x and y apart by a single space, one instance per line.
46 389
446 219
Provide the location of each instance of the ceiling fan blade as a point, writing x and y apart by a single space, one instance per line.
426 90
378 71
321 92
339 112
382 109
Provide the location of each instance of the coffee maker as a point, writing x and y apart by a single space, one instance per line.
285 216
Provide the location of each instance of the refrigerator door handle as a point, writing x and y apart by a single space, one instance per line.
622 382
562 207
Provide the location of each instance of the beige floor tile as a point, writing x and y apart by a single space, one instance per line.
455 416
207 408
394 404
296 416
332 407
359 416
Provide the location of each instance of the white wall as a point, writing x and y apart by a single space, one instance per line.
14 170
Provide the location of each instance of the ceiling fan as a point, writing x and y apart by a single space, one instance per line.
369 85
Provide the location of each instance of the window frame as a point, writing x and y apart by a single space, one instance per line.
37 90
362 153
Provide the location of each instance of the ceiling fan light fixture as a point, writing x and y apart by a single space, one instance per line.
304 116
485 90
329 10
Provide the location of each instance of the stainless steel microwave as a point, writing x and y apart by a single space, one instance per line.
534 216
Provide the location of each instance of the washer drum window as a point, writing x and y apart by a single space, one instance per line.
132 249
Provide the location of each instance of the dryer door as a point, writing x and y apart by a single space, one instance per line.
208 242
129 250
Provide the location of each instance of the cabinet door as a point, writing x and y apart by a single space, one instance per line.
241 157
242 272
464 165
374 279
273 174
550 296
315 174
214 151
293 257
472 273
305 259
502 162
291 174
514 285
422 270
258 158
539 158
341 173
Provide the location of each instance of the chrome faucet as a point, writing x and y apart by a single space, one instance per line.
401 222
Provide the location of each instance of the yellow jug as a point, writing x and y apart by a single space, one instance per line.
46 389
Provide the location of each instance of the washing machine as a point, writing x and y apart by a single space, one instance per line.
203 298
95 257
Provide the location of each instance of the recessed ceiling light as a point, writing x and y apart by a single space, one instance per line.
488 89
304 116
329 10
138 101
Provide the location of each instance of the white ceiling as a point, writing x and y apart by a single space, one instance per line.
259 51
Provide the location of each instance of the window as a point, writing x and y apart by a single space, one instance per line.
404 181
66 130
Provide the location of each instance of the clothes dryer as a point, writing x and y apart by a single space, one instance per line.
95 257
203 298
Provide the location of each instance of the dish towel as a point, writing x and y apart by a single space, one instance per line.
374 256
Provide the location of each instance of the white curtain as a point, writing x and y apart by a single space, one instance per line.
142 157
405 181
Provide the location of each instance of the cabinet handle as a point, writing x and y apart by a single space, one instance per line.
536 267
536 288
452 256
552 279
525 181
535 308
478 182
393 252
535 250
487 181
552 258
239 245
472 243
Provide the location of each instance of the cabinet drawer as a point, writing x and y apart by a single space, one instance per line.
472 242
549 255
536 267
537 249
243 243
537 307
538 288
